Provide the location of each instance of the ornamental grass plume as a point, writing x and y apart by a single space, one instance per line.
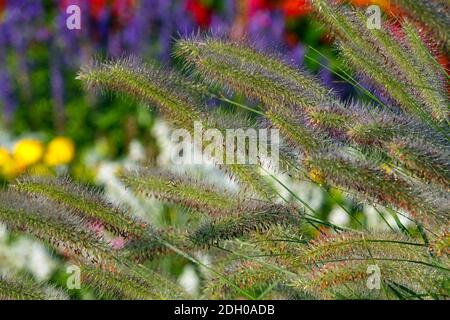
388 148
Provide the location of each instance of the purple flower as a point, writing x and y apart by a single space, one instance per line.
7 98
57 89
266 28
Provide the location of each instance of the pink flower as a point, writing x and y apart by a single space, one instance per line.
117 243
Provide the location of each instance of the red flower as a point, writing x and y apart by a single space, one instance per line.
2 5
96 8
291 39
200 12
123 10
445 63
384 4
256 5
296 8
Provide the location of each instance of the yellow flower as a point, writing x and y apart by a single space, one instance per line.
60 150
12 169
316 176
28 152
386 168
4 156
9 168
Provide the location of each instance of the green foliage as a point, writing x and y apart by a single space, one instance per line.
391 153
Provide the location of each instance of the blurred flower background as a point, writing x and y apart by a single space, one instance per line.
50 125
